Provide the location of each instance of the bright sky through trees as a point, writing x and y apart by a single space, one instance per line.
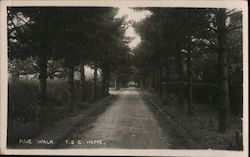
132 15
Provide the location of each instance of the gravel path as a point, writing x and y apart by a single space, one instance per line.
127 123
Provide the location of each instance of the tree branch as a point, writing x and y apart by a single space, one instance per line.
229 12
211 28
233 28
22 20
236 19
21 35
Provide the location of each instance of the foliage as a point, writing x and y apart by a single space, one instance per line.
199 51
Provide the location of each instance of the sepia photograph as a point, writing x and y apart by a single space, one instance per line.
109 76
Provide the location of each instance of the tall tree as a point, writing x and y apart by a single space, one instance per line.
224 106
32 27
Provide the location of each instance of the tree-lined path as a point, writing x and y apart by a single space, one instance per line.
186 67
127 123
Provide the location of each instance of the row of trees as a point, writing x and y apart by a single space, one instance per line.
184 47
61 39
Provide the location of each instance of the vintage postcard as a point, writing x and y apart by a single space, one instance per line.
127 77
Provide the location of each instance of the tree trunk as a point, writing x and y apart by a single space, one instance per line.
15 76
71 88
168 71
82 73
95 83
104 81
167 77
149 80
190 87
119 83
224 105
180 91
115 81
152 80
160 82
156 81
140 83
108 80
42 111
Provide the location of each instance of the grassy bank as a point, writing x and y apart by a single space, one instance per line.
23 103
194 132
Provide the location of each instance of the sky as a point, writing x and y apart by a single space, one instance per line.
130 32
135 16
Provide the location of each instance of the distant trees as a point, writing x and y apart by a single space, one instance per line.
179 48
66 37
17 67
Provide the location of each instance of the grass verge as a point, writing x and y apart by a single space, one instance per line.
193 132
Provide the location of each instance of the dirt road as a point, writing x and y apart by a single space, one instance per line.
127 123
